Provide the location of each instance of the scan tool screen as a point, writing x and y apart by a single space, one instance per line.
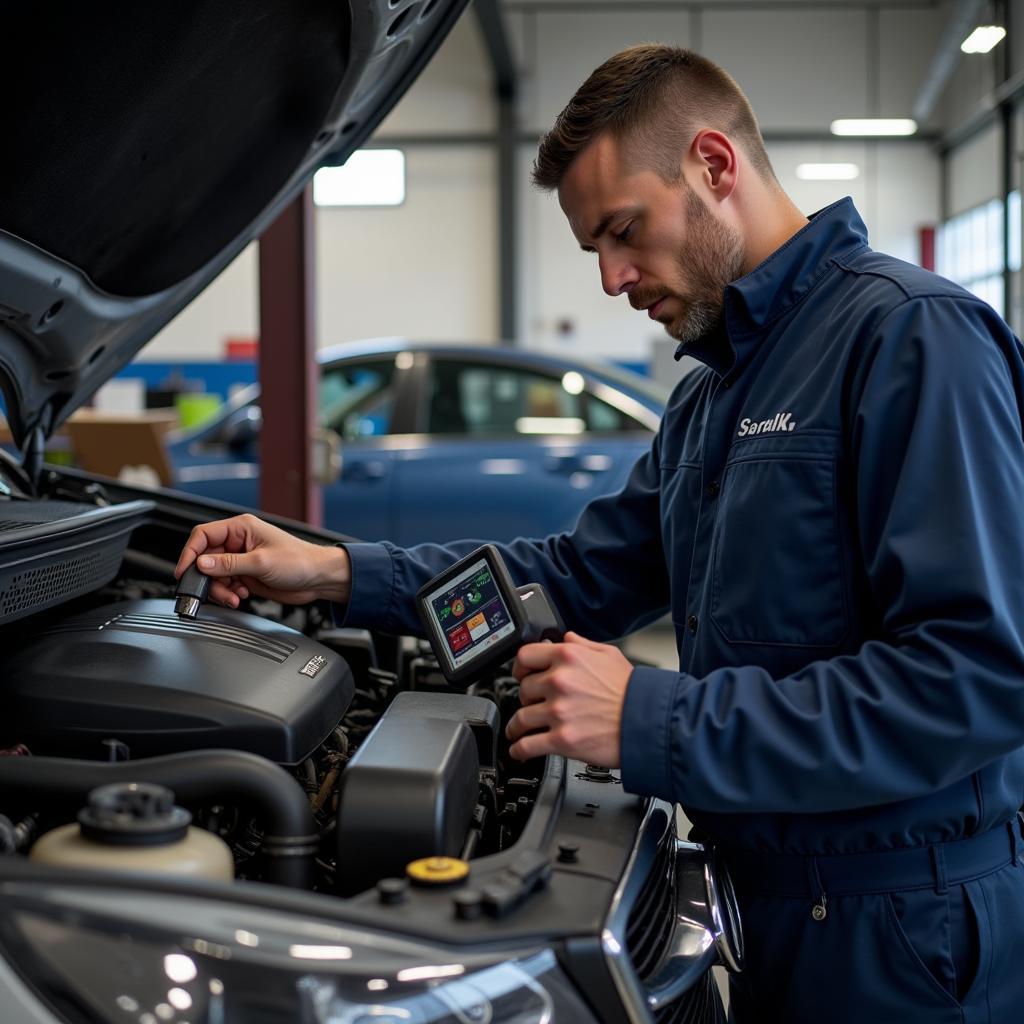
470 613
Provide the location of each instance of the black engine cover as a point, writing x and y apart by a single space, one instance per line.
136 672
410 789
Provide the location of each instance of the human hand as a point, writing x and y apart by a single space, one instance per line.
572 695
245 556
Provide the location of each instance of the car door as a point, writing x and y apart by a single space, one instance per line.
508 451
357 400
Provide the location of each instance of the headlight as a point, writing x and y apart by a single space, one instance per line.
135 957
517 992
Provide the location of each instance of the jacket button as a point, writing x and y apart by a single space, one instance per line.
713 488
692 623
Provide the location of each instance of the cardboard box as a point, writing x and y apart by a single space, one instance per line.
111 443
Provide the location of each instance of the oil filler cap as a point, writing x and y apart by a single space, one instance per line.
133 814
437 871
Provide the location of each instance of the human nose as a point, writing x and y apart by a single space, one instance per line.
617 276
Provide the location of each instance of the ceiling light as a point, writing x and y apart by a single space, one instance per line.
827 172
874 126
983 39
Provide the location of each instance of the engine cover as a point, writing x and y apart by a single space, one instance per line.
136 672
410 789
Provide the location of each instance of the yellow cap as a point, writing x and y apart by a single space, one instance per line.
437 870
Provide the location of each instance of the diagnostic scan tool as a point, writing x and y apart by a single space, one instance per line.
476 618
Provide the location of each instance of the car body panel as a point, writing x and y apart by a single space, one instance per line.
498 485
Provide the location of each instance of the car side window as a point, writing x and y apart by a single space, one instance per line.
356 399
603 418
480 400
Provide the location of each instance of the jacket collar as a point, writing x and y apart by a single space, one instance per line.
755 301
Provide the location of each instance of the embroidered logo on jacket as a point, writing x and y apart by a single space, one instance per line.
779 423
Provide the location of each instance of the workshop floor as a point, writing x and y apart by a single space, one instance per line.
657 644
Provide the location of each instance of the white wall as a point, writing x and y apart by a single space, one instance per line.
228 308
426 269
907 41
975 171
561 49
801 67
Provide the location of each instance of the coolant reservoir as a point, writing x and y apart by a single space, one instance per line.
136 827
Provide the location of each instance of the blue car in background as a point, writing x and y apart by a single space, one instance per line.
443 441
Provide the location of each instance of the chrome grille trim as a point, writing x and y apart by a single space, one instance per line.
673 917
656 824
704 1004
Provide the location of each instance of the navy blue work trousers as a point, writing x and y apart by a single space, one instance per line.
943 945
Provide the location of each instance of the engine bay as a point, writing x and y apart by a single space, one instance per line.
324 758
266 760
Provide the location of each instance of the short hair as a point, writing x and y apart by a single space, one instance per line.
657 98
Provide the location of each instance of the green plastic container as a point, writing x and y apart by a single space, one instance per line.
195 409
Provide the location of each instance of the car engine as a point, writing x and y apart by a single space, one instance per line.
324 758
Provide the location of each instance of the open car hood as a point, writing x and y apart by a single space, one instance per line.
145 145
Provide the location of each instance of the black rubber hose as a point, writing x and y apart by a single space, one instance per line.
201 777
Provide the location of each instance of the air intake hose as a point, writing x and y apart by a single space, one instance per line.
201 777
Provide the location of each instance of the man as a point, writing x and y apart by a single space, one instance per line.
831 512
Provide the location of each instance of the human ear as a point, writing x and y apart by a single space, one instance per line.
720 167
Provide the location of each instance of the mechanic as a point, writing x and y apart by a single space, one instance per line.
832 513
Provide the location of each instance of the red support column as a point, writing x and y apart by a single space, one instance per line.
288 370
926 237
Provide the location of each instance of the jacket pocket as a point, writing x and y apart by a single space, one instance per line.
777 563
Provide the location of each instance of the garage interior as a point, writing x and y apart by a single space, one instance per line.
432 232
466 251
474 254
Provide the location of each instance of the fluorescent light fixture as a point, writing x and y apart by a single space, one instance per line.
371 177
827 172
874 126
983 39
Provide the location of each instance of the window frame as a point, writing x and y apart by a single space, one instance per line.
971 249
593 390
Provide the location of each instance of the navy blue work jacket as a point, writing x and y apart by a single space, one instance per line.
833 514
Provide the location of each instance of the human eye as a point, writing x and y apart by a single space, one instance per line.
625 234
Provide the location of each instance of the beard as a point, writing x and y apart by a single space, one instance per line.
712 258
